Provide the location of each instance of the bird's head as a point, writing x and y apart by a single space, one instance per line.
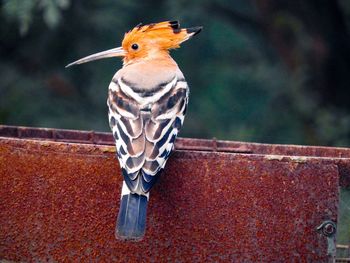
146 42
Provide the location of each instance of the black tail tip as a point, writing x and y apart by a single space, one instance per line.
131 222
196 30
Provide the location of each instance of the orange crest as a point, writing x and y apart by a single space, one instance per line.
146 40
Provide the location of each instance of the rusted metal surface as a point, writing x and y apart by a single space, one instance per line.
59 203
339 156
72 136
104 138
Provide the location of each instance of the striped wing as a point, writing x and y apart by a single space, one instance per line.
145 126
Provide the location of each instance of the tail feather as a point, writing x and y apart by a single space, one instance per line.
131 222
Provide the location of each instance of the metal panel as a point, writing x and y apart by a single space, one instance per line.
338 155
59 203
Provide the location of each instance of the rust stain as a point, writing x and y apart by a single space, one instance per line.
59 202
111 149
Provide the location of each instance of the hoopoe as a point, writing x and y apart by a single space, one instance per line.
147 101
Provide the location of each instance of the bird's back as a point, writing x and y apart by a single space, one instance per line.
147 102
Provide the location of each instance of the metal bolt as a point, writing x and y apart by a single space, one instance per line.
327 228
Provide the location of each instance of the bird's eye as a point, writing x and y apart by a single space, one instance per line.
134 46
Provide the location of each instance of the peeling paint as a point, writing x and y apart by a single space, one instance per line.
271 157
299 159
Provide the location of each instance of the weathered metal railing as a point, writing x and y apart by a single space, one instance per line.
216 201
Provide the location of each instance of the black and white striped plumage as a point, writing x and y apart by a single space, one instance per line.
145 122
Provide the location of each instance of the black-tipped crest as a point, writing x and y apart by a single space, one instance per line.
194 30
174 24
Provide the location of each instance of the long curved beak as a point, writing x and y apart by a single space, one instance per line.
114 52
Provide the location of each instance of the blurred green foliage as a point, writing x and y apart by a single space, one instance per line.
264 71
23 12
257 72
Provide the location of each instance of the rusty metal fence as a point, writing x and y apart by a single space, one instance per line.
217 201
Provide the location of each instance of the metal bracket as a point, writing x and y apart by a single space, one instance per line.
329 228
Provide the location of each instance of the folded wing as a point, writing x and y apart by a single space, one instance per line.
145 126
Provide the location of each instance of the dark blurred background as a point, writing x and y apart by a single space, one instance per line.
265 71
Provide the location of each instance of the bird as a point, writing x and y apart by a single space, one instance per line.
147 102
